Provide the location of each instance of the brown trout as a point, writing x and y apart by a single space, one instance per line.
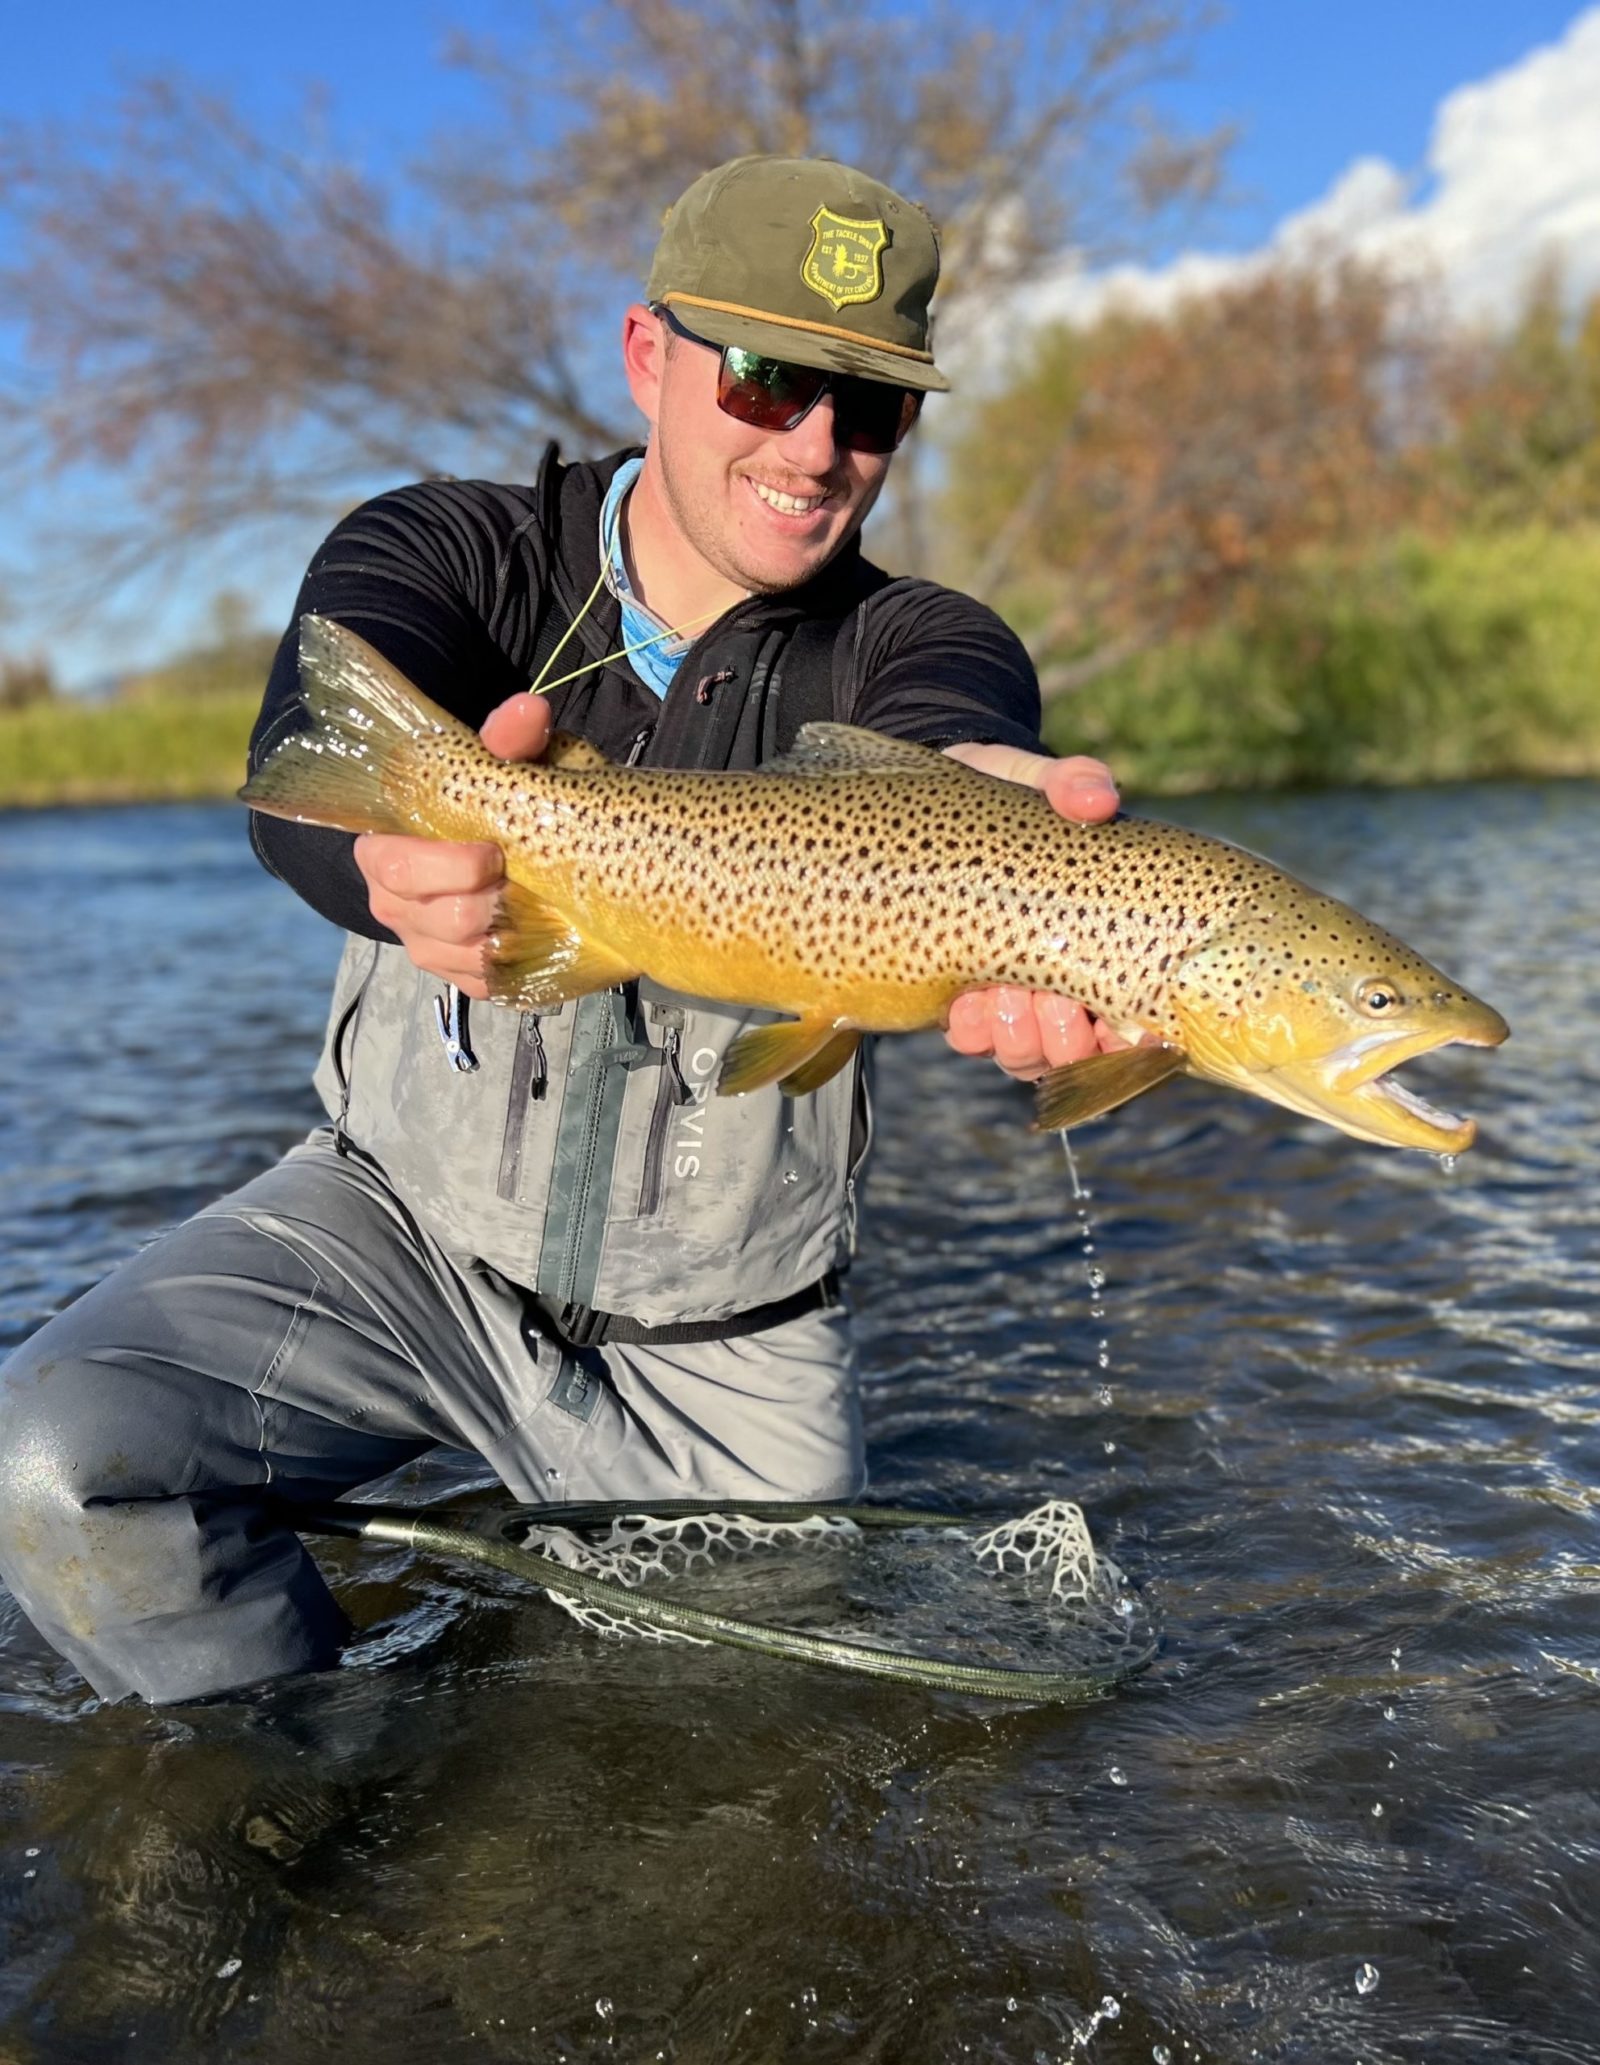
860 883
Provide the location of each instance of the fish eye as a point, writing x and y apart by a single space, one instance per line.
1378 998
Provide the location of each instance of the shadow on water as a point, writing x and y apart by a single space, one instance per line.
1347 1442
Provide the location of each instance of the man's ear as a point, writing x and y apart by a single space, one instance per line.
644 358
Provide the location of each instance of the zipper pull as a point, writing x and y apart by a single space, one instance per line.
450 1016
641 740
540 1075
681 1092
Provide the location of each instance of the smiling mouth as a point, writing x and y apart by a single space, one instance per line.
788 505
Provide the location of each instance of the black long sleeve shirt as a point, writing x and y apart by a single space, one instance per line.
456 582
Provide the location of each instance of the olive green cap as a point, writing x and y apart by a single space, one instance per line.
804 259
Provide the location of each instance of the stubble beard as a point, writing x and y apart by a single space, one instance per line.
711 540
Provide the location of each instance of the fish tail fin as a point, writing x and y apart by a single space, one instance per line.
347 767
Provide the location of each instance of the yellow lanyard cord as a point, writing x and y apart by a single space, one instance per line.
607 547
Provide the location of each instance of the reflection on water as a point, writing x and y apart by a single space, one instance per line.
1347 1440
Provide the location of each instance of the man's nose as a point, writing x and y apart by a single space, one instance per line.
810 447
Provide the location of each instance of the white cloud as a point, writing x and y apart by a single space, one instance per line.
1512 177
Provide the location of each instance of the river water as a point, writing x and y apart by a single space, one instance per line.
1347 1446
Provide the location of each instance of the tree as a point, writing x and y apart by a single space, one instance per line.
1152 473
252 332
1524 411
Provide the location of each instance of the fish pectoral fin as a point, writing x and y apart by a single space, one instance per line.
784 1053
537 958
823 1065
850 749
1068 1096
573 755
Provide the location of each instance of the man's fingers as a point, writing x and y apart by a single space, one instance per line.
450 920
519 729
1067 1031
1027 1031
1080 788
408 867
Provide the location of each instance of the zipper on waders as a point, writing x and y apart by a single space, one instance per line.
530 1075
599 1076
672 1092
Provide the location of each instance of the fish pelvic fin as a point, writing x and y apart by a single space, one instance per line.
1068 1096
823 1065
798 1051
346 767
537 958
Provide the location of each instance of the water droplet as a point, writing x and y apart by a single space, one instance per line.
1446 1162
1377 1810
1088 1247
1103 1359
1097 1278
32 1850
1110 1447
1104 1394
1117 1775
1011 2003
552 1475
1125 1607
1110 2007
229 1966
604 2008
1097 1312
1366 1978
789 1176
1388 1713
808 1996
1160 2055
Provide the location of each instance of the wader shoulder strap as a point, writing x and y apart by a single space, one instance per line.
806 693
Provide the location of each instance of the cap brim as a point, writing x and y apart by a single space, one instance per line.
776 339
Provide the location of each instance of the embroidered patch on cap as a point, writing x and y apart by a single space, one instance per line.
842 264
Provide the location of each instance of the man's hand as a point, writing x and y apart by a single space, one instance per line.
1030 1031
438 896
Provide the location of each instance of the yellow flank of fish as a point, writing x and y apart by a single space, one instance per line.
861 883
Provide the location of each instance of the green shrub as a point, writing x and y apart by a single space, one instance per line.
1419 662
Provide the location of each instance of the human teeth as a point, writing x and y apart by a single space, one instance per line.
791 505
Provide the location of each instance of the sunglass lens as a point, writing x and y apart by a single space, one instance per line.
769 393
871 416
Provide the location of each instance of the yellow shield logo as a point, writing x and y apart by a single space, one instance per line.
842 264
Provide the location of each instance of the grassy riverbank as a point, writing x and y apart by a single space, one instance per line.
144 750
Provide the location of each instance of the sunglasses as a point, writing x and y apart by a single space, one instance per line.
773 394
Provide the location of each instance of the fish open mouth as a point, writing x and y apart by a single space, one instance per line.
1356 1087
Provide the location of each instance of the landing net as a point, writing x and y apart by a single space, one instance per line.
1025 1609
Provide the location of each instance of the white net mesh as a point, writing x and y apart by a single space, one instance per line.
1029 1592
637 1549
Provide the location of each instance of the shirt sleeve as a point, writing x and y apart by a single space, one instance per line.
937 667
417 573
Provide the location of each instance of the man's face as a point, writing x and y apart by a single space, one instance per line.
764 509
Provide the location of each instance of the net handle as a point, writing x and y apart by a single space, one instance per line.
482 1542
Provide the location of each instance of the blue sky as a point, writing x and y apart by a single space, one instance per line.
1313 88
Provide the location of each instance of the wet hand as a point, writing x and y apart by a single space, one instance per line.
439 896
1031 1031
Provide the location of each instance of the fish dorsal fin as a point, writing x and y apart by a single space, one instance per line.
574 755
848 749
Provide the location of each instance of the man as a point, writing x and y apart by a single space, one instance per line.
538 1235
